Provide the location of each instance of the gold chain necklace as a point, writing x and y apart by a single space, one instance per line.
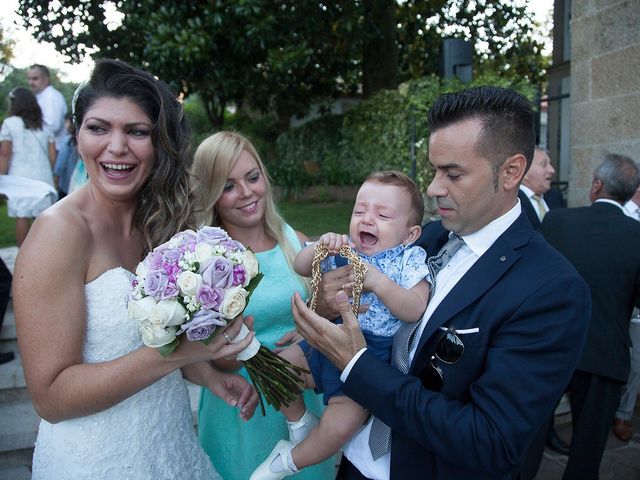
359 271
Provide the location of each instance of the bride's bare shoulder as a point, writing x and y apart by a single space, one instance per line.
59 234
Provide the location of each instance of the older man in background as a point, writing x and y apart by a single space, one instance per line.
602 243
535 187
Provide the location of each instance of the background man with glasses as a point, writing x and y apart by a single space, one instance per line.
518 307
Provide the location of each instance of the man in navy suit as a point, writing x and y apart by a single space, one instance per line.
518 307
601 241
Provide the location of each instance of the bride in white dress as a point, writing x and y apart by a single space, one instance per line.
112 408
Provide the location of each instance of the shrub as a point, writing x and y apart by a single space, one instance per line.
375 135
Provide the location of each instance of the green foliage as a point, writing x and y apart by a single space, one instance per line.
7 227
282 57
375 135
315 218
6 51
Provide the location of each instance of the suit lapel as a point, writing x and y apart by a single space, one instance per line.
487 270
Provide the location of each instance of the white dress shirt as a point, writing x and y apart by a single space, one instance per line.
530 193
475 245
632 209
54 108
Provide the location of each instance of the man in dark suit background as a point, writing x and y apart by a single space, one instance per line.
602 243
535 192
537 198
515 304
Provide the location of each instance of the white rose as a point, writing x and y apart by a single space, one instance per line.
166 313
139 309
141 272
156 336
250 263
189 283
203 252
235 299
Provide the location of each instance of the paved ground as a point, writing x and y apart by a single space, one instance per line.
621 460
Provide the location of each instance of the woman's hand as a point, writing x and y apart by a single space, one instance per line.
287 339
235 391
219 349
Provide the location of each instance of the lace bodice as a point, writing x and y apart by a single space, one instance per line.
147 436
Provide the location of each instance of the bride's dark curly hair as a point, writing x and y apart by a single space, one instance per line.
164 207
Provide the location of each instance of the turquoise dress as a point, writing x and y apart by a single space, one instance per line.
235 447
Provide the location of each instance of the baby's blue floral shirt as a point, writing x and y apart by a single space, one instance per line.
405 265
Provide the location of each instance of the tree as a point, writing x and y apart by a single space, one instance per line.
502 32
6 52
282 57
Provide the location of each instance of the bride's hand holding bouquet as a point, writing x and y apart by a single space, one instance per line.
193 286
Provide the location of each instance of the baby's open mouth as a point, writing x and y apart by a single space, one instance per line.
368 239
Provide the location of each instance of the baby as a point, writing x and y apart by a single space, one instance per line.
385 222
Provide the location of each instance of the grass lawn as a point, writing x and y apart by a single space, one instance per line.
7 227
311 218
318 217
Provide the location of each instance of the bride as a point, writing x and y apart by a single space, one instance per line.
112 408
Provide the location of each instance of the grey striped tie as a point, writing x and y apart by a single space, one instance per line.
380 435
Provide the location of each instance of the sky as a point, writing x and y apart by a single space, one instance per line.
28 51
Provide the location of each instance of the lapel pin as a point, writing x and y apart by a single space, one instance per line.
503 258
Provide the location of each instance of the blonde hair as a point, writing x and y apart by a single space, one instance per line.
213 161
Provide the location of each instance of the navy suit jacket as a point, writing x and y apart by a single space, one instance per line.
603 243
531 310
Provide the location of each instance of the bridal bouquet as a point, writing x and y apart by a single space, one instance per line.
192 286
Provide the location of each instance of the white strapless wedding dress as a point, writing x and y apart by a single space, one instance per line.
149 436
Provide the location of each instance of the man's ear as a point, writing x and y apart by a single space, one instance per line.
596 189
512 171
412 236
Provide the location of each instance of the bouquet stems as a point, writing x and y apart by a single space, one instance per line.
278 380
275 378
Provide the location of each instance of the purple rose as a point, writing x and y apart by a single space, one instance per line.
212 235
218 273
185 236
210 297
203 324
169 291
155 283
171 256
155 261
239 275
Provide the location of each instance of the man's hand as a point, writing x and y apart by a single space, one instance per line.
339 343
332 282
236 391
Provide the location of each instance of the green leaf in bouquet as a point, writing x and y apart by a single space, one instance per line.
166 350
253 284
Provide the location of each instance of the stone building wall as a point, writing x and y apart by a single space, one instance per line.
605 87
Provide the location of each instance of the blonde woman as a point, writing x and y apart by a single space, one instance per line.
232 190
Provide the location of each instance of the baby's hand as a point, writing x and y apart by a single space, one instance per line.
334 241
372 278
